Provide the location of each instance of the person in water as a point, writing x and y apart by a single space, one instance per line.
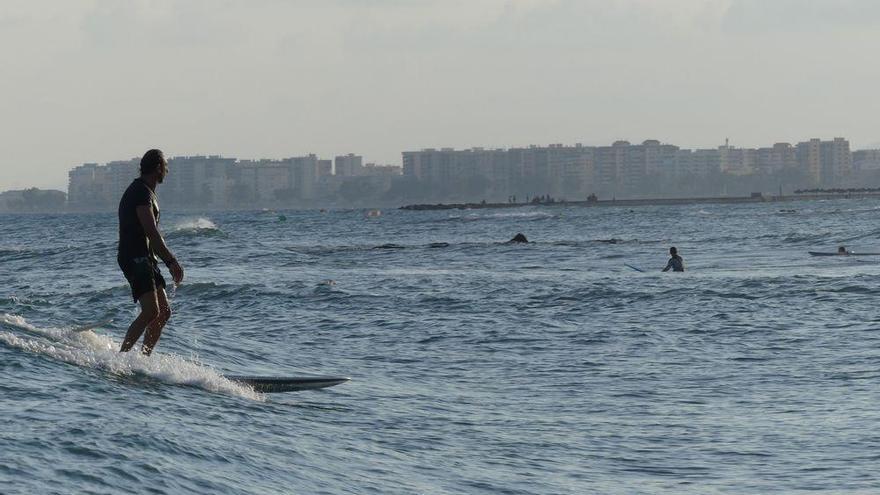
675 261
139 243
842 251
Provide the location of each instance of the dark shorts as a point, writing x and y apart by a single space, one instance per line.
143 276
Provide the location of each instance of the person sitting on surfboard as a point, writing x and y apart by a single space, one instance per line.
675 262
139 243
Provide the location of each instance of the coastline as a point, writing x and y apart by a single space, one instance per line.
647 201
480 205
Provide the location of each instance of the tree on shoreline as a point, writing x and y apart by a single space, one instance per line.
34 199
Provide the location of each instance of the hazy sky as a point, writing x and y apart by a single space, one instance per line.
94 81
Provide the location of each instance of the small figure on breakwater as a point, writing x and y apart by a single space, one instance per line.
518 238
675 261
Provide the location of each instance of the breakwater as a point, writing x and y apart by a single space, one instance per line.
648 201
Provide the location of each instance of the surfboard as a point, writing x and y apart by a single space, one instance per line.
634 268
277 384
815 253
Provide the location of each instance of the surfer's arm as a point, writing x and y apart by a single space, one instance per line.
668 265
148 222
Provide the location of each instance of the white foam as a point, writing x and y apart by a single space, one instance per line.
16 321
200 223
91 350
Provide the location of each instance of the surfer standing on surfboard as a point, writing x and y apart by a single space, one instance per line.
139 243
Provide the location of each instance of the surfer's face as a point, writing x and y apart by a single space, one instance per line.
163 171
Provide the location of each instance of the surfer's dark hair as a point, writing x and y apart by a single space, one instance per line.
151 161
672 250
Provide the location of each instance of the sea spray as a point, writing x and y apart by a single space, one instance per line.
91 350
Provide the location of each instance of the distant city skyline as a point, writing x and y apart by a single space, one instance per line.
621 170
53 183
94 81
573 172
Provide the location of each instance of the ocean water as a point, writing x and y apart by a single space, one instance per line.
477 367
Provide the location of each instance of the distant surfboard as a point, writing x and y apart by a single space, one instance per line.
815 253
277 384
634 268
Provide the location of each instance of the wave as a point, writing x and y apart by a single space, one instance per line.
390 246
318 250
599 242
330 250
195 227
872 234
804 237
198 223
475 217
15 254
212 290
90 350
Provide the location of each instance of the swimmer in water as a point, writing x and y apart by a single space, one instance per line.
675 262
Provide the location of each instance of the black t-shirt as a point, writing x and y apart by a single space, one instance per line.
133 242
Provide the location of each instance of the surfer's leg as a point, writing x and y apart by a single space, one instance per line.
149 312
154 329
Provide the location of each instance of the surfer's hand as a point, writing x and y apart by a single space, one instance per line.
176 272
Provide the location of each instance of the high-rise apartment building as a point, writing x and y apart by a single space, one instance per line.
81 184
697 163
198 180
826 163
775 159
304 174
93 185
570 171
325 168
836 161
349 165
809 157
737 161
609 166
864 160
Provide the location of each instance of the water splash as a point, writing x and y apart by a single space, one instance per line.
195 227
190 224
91 350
